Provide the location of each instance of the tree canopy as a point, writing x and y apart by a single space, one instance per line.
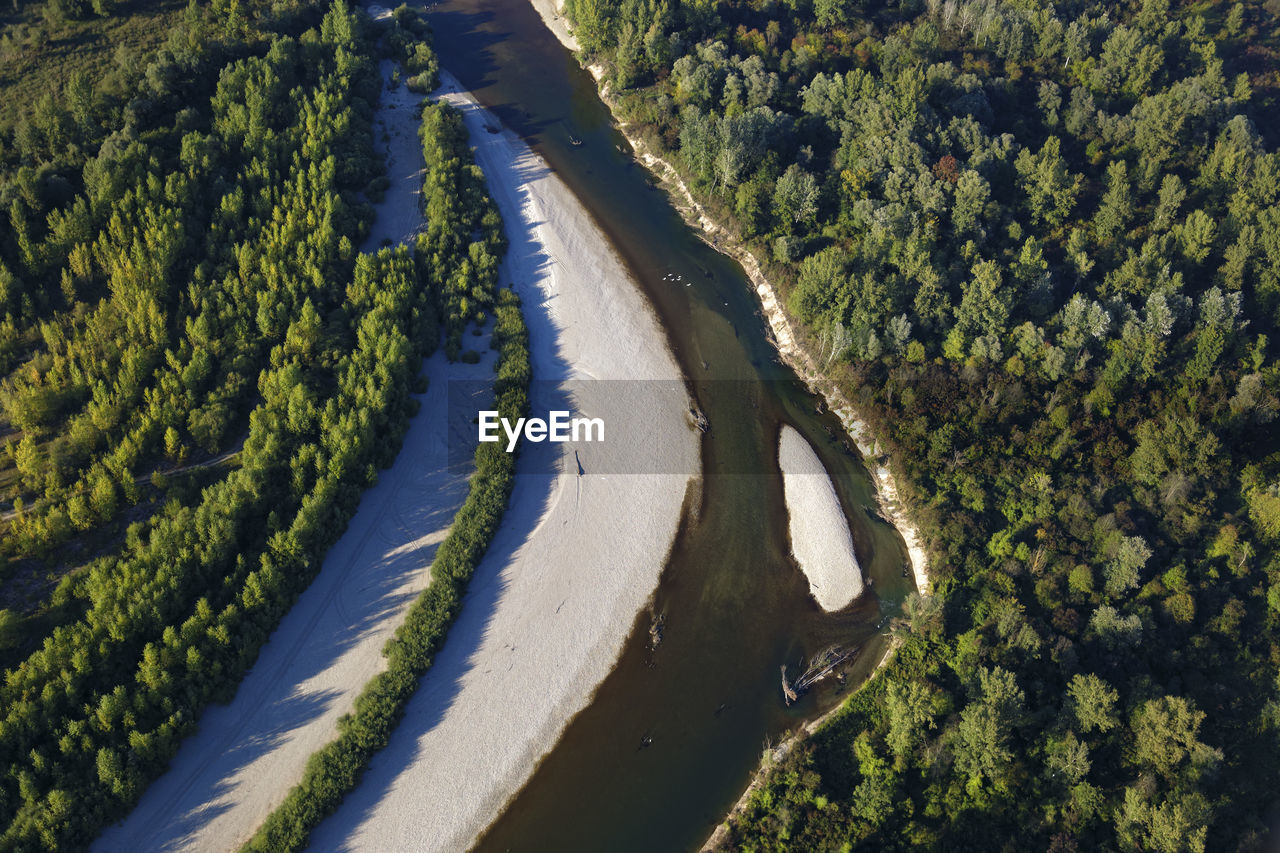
201 376
1046 236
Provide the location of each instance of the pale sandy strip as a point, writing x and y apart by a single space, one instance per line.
552 14
576 558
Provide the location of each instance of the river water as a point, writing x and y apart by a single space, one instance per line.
672 735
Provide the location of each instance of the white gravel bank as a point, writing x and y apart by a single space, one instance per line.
820 538
552 14
576 557
247 755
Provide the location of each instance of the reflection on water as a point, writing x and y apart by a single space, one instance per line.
672 735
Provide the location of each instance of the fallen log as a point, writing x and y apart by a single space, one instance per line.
820 666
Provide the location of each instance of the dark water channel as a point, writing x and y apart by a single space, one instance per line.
735 607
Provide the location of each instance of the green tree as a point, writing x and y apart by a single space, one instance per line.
1051 189
1116 210
912 706
1068 758
10 629
1092 702
983 312
795 197
1166 734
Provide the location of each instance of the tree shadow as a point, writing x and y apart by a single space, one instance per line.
179 832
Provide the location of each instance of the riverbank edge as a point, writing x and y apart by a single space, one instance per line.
781 327
784 337
794 354
774 756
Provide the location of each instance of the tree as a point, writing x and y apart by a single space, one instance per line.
831 13
1050 188
795 197
1068 758
1113 630
1172 194
10 629
980 744
911 706
983 312
873 797
971 196
1176 826
822 289
1092 702
27 459
1123 570
1166 734
1196 236
1174 445
1264 510
1116 210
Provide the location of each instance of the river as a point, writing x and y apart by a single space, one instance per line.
672 736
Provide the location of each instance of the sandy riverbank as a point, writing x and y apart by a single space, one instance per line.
820 538
577 555
247 755
552 14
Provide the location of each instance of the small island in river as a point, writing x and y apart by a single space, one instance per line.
820 538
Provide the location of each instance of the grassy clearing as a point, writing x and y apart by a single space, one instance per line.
37 57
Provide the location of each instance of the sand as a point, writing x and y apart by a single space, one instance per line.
577 556
820 538
246 755
552 14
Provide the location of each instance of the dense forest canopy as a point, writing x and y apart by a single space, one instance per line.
201 375
1042 244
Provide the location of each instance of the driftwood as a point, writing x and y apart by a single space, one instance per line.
788 692
655 630
820 666
699 419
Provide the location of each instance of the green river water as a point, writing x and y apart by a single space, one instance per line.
735 606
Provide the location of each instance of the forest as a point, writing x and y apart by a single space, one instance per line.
1038 244
201 374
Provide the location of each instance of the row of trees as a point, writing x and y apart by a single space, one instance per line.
1042 242
262 307
457 260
